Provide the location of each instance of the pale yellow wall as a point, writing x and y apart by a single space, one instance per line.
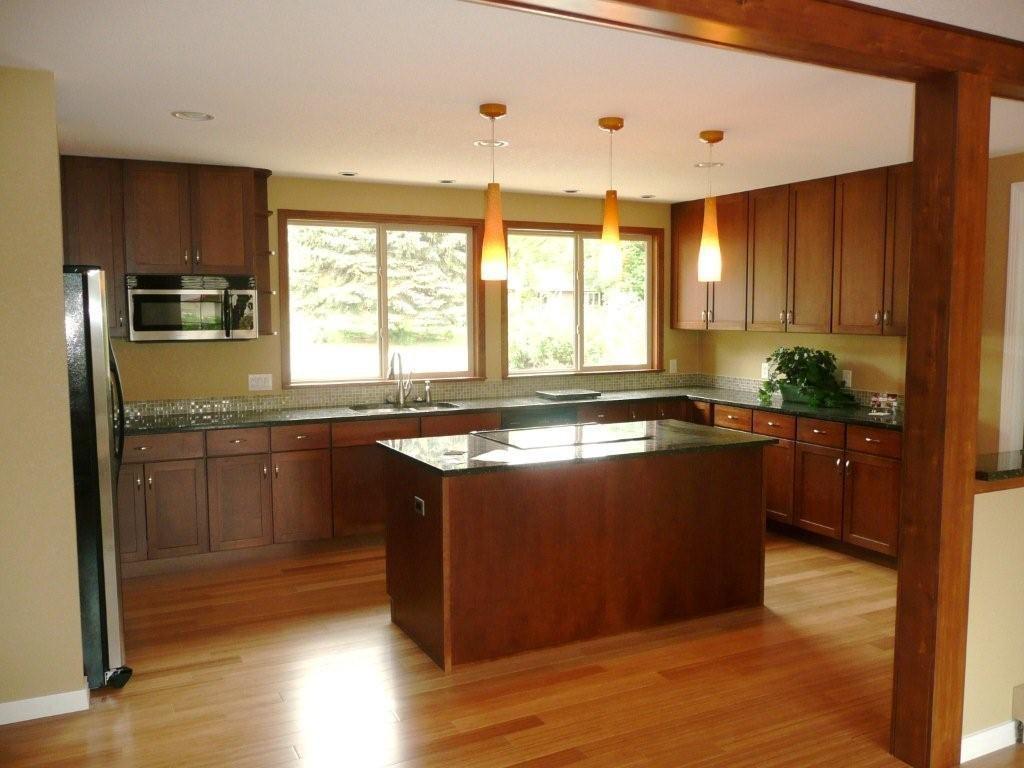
878 363
40 633
158 371
995 628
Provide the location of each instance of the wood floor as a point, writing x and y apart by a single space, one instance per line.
295 663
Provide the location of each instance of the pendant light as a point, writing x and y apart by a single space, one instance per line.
610 256
494 256
709 258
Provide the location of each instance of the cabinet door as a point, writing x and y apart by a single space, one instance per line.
93 207
458 423
302 495
604 413
241 514
767 258
176 518
897 270
157 223
860 247
728 301
131 513
818 489
689 296
223 220
811 241
652 410
778 480
359 502
871 504
698 412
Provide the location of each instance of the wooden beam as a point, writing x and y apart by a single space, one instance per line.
943 362
832 33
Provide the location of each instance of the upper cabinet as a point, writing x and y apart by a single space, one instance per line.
92 199
809 295
768 261
181 219
721 305
860 252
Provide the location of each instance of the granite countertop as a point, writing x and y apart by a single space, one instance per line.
1000 466
506 449
184 422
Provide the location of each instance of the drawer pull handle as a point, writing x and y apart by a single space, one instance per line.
277 470
819 431
839 463
773 424
142 448
138 482
264 470
871 440
847 466
301 437
730 417
237 441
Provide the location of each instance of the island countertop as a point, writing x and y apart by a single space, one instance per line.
505 449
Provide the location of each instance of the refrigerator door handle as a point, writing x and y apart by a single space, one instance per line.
115 376
227 313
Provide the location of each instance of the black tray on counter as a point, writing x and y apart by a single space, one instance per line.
567 394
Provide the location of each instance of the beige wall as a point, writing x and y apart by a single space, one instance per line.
995 628
40 637
158 371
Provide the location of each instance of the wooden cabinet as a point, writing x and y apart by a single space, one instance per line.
773 424
871 502
721 305
240 502
818 489
131 513
698 412
731 417
92 203
157 219
859 261
778 480
830 434
181 219
176 516
898 244
302 495
767 259
653 410
604 413
811 241
458 423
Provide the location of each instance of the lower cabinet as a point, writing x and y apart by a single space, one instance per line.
778 480
698 412
871 502
652 410
131 513
302 495
604 413
818 489
240 497
176 516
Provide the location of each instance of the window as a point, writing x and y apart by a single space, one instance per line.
570 308
354 292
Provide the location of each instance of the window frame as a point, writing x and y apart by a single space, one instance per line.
655 305
474 288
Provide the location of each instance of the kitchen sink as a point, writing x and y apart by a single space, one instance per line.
390 408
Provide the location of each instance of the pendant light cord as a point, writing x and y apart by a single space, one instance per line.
611 166
711 151
492 150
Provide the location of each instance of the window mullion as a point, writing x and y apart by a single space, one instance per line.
580 330
382 299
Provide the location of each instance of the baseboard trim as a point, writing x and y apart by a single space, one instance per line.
43 706
989 740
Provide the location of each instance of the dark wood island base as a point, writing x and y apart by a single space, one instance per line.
488 561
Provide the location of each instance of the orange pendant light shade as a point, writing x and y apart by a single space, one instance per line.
709 258
494 258
610 224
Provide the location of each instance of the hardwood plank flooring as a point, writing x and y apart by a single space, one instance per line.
295 663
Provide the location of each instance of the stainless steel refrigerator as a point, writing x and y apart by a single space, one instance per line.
97 439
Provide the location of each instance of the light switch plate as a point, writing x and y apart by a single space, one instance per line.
673 366
419 506
848 379
261 381
766 370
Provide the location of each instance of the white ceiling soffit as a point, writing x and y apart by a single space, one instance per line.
390 89
1004 18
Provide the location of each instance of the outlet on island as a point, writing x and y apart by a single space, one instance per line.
260 382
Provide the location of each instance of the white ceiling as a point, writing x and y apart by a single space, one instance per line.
390 89
996 17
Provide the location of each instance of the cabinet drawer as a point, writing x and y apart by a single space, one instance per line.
458 423
163 447
775 424
237 442
604 413
345 433
733 418
880 442
831 434
300 437
699 412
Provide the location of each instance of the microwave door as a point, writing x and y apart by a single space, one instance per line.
175 315
226 313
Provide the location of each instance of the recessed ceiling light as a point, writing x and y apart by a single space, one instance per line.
497 144
447 181
570 191
646 197
198 117
348 173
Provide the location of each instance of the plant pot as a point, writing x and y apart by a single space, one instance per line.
792 394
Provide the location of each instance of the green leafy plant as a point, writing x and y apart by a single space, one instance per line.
811 372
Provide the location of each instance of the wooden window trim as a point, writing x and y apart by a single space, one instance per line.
477 345
656 310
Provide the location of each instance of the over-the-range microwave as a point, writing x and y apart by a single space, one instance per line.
191 307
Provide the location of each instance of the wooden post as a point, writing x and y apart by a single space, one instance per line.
943 361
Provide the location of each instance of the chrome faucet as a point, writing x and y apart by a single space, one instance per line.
404 383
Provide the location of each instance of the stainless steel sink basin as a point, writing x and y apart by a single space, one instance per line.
389 408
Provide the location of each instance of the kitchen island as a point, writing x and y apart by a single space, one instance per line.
510 540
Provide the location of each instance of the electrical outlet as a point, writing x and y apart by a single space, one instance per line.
419 506
673 366
848 379
261 381
766 370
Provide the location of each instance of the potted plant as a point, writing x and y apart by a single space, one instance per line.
805 375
